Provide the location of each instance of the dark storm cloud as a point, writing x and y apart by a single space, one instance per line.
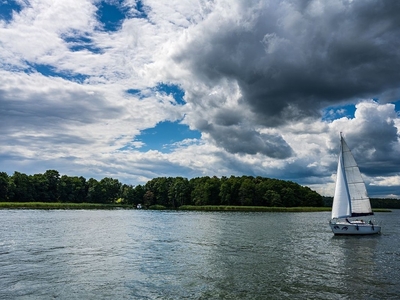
296 57
242 140
227 117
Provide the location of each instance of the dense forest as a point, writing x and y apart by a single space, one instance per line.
166 191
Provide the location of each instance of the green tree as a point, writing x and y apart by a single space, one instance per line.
312 198
53 180
260 190
148 198
22 190
94 194
236 183
159 187
205 190
4 186
179 192
139 192
212 187
247 192
72 189
272 198
40 188
128 194
110 190
288 197
225 191
199 193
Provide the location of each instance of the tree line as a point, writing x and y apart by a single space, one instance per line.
170 192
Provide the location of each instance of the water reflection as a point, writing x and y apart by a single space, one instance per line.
354 258
193 255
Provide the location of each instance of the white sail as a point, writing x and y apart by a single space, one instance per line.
341 201
360 204
351 197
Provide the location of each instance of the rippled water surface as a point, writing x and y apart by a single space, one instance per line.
137 254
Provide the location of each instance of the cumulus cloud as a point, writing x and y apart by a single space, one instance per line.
265 82
373 136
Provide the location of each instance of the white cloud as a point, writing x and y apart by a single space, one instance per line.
386 181
256 77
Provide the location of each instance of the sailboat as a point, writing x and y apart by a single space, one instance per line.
351 208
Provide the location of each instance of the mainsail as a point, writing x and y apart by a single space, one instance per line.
351 198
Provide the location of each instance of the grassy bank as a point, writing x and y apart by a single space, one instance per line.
253 208
45 205
261 208
381 210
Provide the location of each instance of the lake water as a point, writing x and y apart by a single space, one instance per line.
138 254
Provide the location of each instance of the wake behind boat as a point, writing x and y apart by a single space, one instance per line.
351 201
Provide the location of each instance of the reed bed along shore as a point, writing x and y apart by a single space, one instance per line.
262 208
59 205
253 208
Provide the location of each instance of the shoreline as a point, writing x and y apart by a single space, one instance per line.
94 206
57 205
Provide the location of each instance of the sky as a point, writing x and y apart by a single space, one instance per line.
135 90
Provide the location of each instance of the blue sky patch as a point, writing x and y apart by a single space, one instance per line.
111 15
164 135
79 42
141 10
135 92
336 112
49 71
172 89
397 105
7 8
164 88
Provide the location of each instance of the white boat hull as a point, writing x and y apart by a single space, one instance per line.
354 229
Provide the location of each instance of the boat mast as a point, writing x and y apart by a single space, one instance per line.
344 171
